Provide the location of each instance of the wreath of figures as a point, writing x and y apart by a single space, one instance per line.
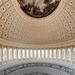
6 71
38 8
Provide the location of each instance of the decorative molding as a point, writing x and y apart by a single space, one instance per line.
8 70
56 45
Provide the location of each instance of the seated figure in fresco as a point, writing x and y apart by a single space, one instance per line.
46 1
51 7
29 7
36 10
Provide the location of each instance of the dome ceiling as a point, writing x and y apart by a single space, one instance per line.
17 27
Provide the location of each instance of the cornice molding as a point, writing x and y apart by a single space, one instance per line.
56 45
11 69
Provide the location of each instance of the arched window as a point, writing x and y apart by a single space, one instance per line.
10 54
34 53
46 53
54 53
42 53
15 54
59 54
63 54
69 53
19 54
31 53
23 54
4 54
27 53
38 53
50 52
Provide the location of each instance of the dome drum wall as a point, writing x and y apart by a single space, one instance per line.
18 61
13 54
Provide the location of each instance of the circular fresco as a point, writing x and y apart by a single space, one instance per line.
38 8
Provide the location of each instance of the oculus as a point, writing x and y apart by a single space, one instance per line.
38 8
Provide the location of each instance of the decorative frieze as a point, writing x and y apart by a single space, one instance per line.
28 65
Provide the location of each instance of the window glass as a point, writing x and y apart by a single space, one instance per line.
23 53
34 53
50 53
19 54
42 53
54 53
10 54
31 53
38 53
15 54
27 53
63 54
46 55
4 54
59 53
69 53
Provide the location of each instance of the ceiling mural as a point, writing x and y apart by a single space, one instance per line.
38 8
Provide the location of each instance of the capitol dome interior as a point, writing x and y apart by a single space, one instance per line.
37 37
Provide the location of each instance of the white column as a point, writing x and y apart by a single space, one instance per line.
25 55
17 53
33 54
66 55
2 54
29 54
52 55
21 55
72 55
61 55
48 54
7 54
45 54
40 54
12 54
56 54
36 54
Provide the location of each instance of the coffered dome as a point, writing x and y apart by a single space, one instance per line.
17 27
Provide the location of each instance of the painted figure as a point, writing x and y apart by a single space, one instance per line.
38 8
